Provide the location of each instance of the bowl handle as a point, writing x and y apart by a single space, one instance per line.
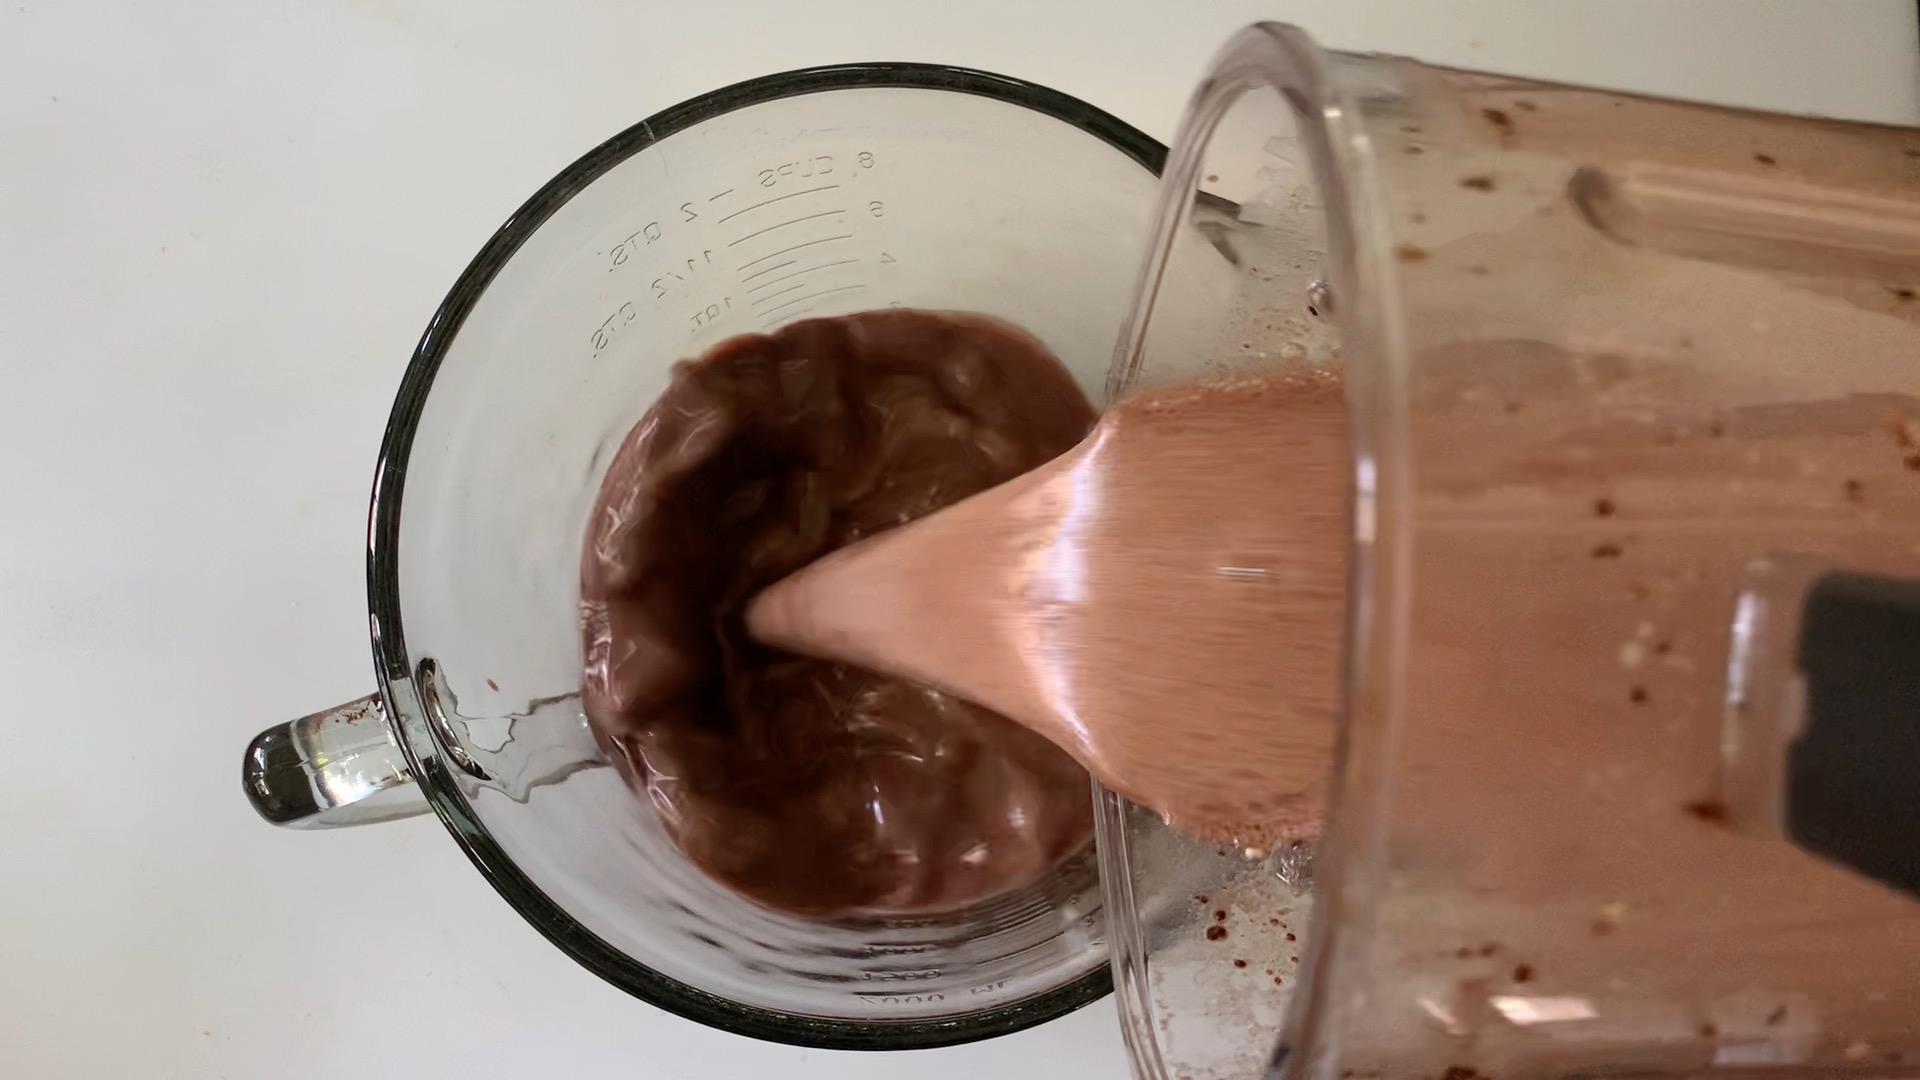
339 766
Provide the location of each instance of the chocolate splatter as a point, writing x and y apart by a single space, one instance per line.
1711 811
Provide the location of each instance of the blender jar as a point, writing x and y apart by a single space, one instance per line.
1634 400
806 194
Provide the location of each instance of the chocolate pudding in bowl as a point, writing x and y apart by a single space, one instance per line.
814 787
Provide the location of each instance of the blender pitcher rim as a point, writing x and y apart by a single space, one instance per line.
425 757
1287 60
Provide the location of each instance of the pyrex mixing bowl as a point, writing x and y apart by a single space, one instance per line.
810 193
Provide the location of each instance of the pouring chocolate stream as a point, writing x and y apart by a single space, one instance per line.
1164 601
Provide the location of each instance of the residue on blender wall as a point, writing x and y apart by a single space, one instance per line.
1224 935
1650 346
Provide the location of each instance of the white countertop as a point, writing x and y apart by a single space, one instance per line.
222 227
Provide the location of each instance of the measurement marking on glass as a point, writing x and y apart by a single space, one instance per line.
784 224
778 198
770 269
788 289
785 317
710 198
797 247
811 296
795 274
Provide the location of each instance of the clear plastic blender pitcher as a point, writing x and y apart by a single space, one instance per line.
1634 390
807 194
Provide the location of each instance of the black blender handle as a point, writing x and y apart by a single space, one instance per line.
1853 774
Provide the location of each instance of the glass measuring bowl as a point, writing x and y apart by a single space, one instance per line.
1629 380
806 194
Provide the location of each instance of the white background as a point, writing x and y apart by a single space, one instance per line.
222 227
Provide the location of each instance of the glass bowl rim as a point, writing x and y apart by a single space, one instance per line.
391 661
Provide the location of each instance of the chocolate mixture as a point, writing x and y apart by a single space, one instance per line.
814 787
